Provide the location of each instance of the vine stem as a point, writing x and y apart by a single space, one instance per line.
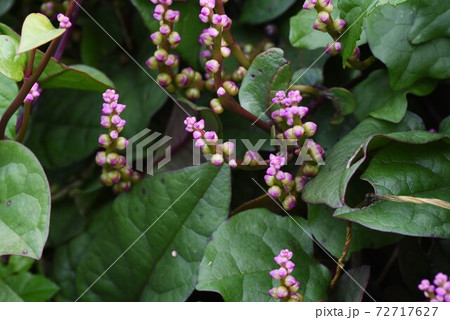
227 100
341 264
28 83
26 117
234 46
304 89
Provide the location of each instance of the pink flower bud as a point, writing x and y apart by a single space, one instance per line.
232 163
104 141
217 159
323 16
212 66
163 79
174 38
221 92
225 51
310 128
172 15
114 134
289 204
211 4
100 158
275 192
165 29
282 292
122 143
231 88
161 55
339 25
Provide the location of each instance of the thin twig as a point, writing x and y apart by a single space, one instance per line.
341 263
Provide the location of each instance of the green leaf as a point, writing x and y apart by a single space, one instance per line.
7 294
259 81
345 157
421 172
24 202
330 233
408 62
354 13
166 259
432 22
238 260
189 27
260 11
391 2
16 264
8 92
375 97
36 31
28 287
11 63
82 77
351 286
343 100
302 35
308 76
5 5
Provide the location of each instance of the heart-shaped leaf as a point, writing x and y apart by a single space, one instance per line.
376 98
269 71
185 207
36 31
238 260
407 61
11 63
330 185
24 202
419 172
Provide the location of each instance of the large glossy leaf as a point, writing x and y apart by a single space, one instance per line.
351 285
399 170
36 31
238 260
431 23
24 202
331 232
8 91
408 62
342 161
11 63
269 71
375 97
189 26
259 11
302 35
163 264
354 13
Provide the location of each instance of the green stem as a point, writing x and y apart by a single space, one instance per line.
29 70
234 46
26 117
304 89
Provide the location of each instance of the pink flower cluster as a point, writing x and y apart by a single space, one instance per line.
289 119
207 15
291 114
64 21
164 39
325 22
439 291
115 173
281 183
287 291
208 142
33 94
